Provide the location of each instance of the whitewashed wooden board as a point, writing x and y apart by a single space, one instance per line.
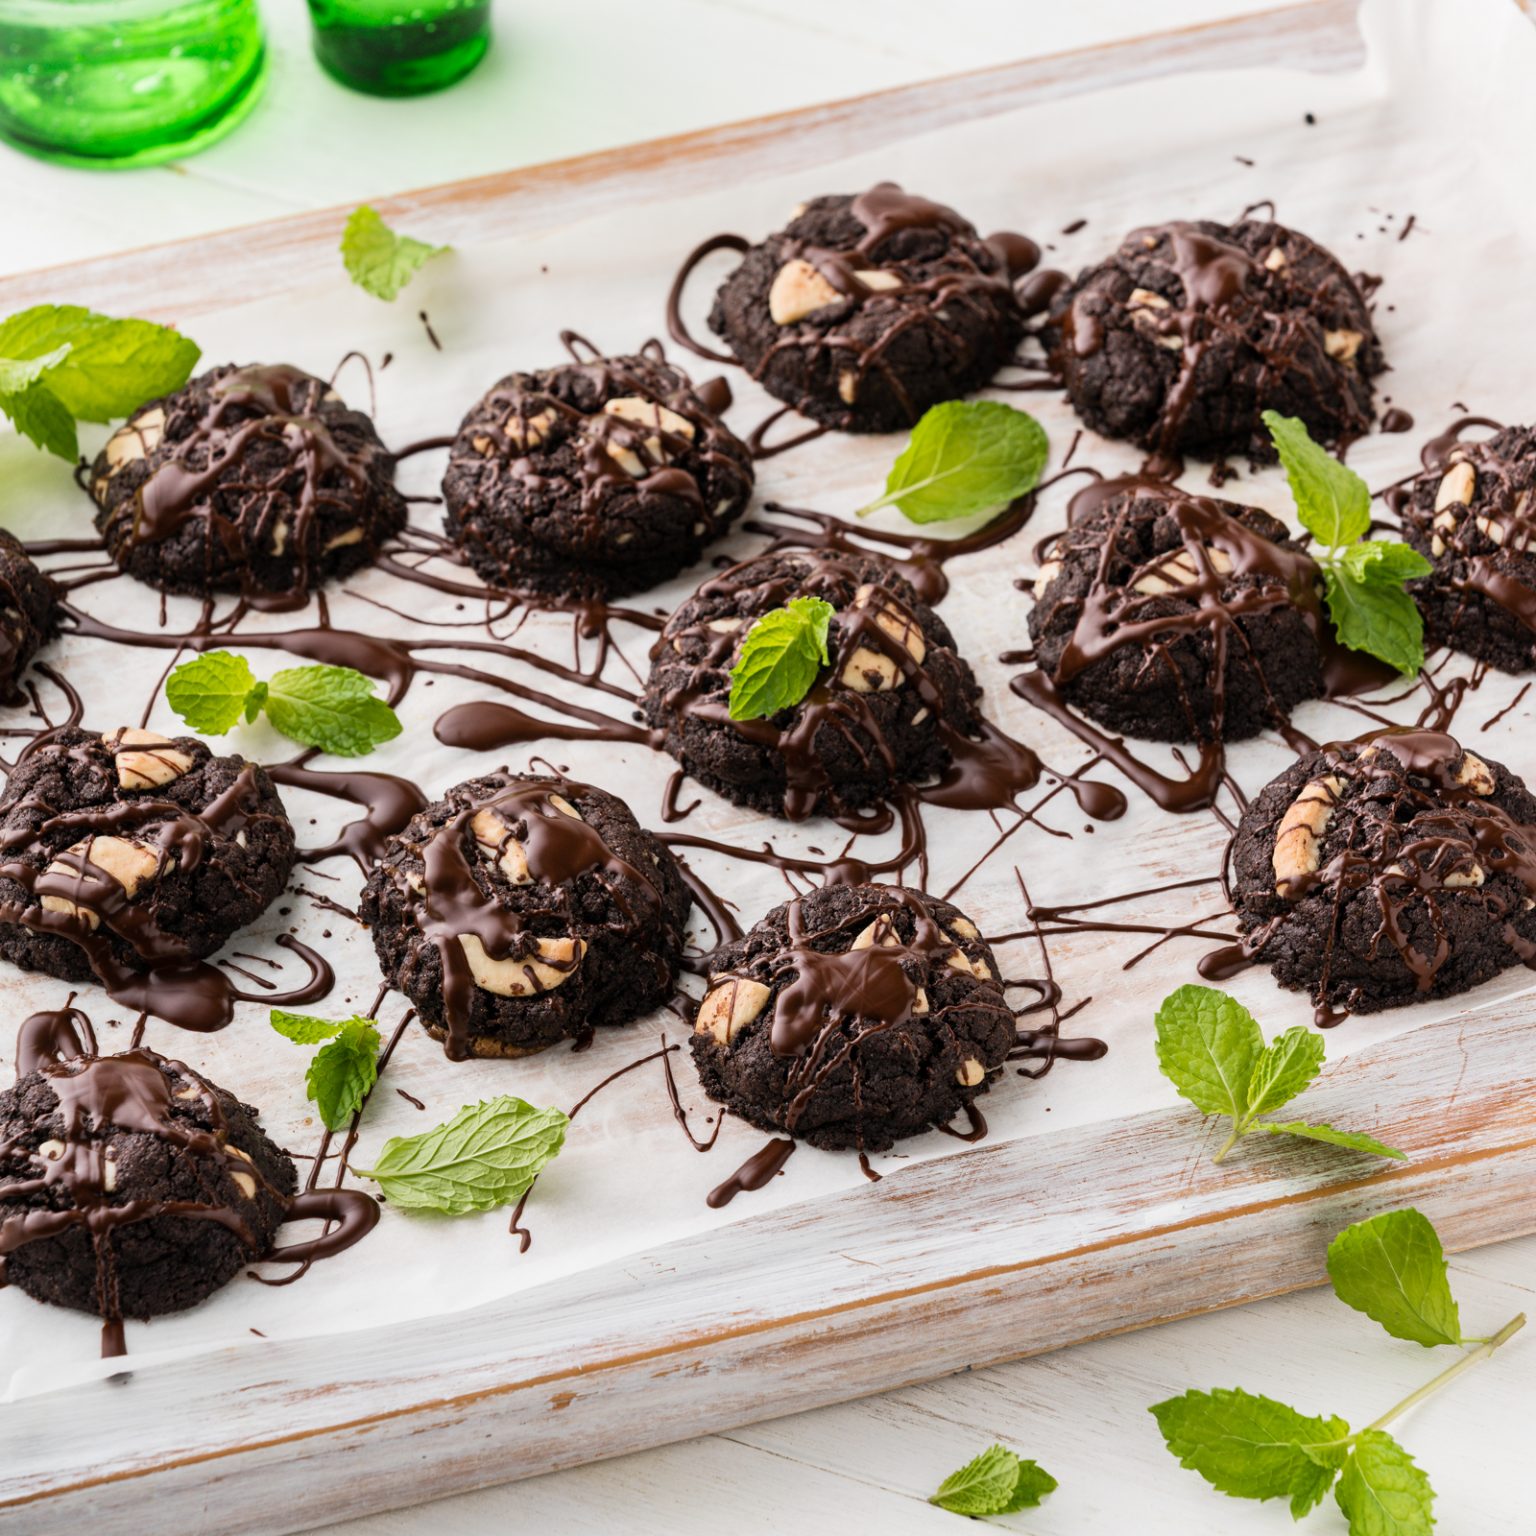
1069 1232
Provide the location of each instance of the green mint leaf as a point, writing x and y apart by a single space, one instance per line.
305 1028
37 414
1253 1447
1382 1492
964 457
17 373
780 659
342 1072
1382 620
1384 562
255 702
997 1482
1208 1045
1356 1141
1332 501
486 1156
332 708
112 367
211 691
1288 1064
377 259
1392 1268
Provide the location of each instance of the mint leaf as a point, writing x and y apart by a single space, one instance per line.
1384 561
1392 1268
332 708
997 1482
964 457
780 658
305 1028
1381 620
377 259
1382 1492
38 415
486 1156
210 691
1288 1064
1356 1141
16 374
1253 1447
1332 501
342 1072
1208 1046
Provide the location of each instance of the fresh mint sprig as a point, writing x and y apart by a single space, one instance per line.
378 260
332 708
964 457
486 1155
1392 1268
997 1482
1212 1050
781 657
342 1072
60 364
1362 581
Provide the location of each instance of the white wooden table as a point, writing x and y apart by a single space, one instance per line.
565 79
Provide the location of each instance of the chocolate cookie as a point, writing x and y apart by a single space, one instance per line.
252 480
852 1016
593 479
1473 516
131 1186
27 599
1190 330
883 714
518 911
1380 874
130 852
864 311
1175 617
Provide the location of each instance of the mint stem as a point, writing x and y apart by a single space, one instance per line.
1230 1142
1467 1361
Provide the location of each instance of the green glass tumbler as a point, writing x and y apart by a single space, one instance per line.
395 48
126 82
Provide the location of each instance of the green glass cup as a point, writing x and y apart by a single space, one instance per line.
395 48
126 82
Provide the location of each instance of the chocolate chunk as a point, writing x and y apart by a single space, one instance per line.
882 715
1182 338
519 910
852 1016
254 480
864 311
592 480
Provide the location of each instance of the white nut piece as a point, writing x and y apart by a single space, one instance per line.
552 964
1145 298
109 1175
881 933
1342 345
1275 260
1475 774
1464 879
1047 574
144 759
920 1001
847 386
528 431
970 1072
965 928
1458 485
638 411
1179 571
870 671
83 864
1490 528
878 281
136 439
731 1003
1302 827
343 540
958 960
244 1182
51 1150
798 290
496 844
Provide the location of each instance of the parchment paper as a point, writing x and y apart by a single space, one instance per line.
1432 126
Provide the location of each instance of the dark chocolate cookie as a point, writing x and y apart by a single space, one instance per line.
852 1016
1473 516
1175 617
131 1186
883 713
253 480
1380 874
126 852
593 479
864 311
518 911
1182 338
27 599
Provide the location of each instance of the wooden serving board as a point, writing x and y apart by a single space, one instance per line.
989 1253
